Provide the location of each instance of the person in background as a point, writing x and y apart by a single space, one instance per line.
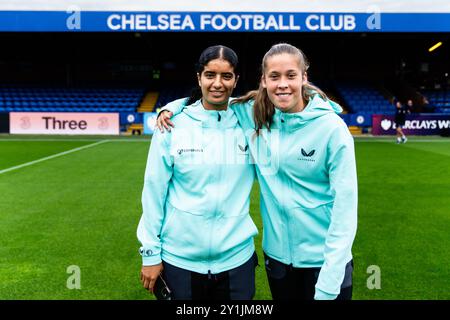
426 105
410 105
195 227
400 118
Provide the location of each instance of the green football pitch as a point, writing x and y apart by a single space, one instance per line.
75 201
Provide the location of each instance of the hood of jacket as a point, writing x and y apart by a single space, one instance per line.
211 118
316 107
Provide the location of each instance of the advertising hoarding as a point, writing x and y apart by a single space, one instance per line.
64 123
415 124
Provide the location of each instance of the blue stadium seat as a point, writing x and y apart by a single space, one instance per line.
69 99
363 98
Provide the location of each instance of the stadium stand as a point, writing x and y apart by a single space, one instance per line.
171 93
50 99
149 102
362 98
439 100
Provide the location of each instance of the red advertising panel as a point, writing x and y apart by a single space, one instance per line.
64 123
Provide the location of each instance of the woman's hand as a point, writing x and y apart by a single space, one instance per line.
149 274
163 120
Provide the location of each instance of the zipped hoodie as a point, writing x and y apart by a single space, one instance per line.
307 174
196 194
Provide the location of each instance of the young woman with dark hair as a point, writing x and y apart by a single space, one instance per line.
195 228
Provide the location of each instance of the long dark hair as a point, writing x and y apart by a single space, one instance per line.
264 109
211 53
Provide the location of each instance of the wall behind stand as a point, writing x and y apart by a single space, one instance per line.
4 122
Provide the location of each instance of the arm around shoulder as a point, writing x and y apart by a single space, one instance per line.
175 106
157 176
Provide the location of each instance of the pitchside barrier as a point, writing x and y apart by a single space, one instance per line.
149 122
415 124
108 123
64 123
4 122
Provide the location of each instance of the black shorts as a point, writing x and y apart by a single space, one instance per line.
400 120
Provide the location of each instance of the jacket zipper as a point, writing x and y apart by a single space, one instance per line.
213 218
286 213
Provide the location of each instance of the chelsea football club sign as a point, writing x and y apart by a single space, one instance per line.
225 16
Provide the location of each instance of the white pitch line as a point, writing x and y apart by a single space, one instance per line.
359 139
24 140
52 156
395 141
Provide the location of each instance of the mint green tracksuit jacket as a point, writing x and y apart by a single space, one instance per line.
196 194
306 170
